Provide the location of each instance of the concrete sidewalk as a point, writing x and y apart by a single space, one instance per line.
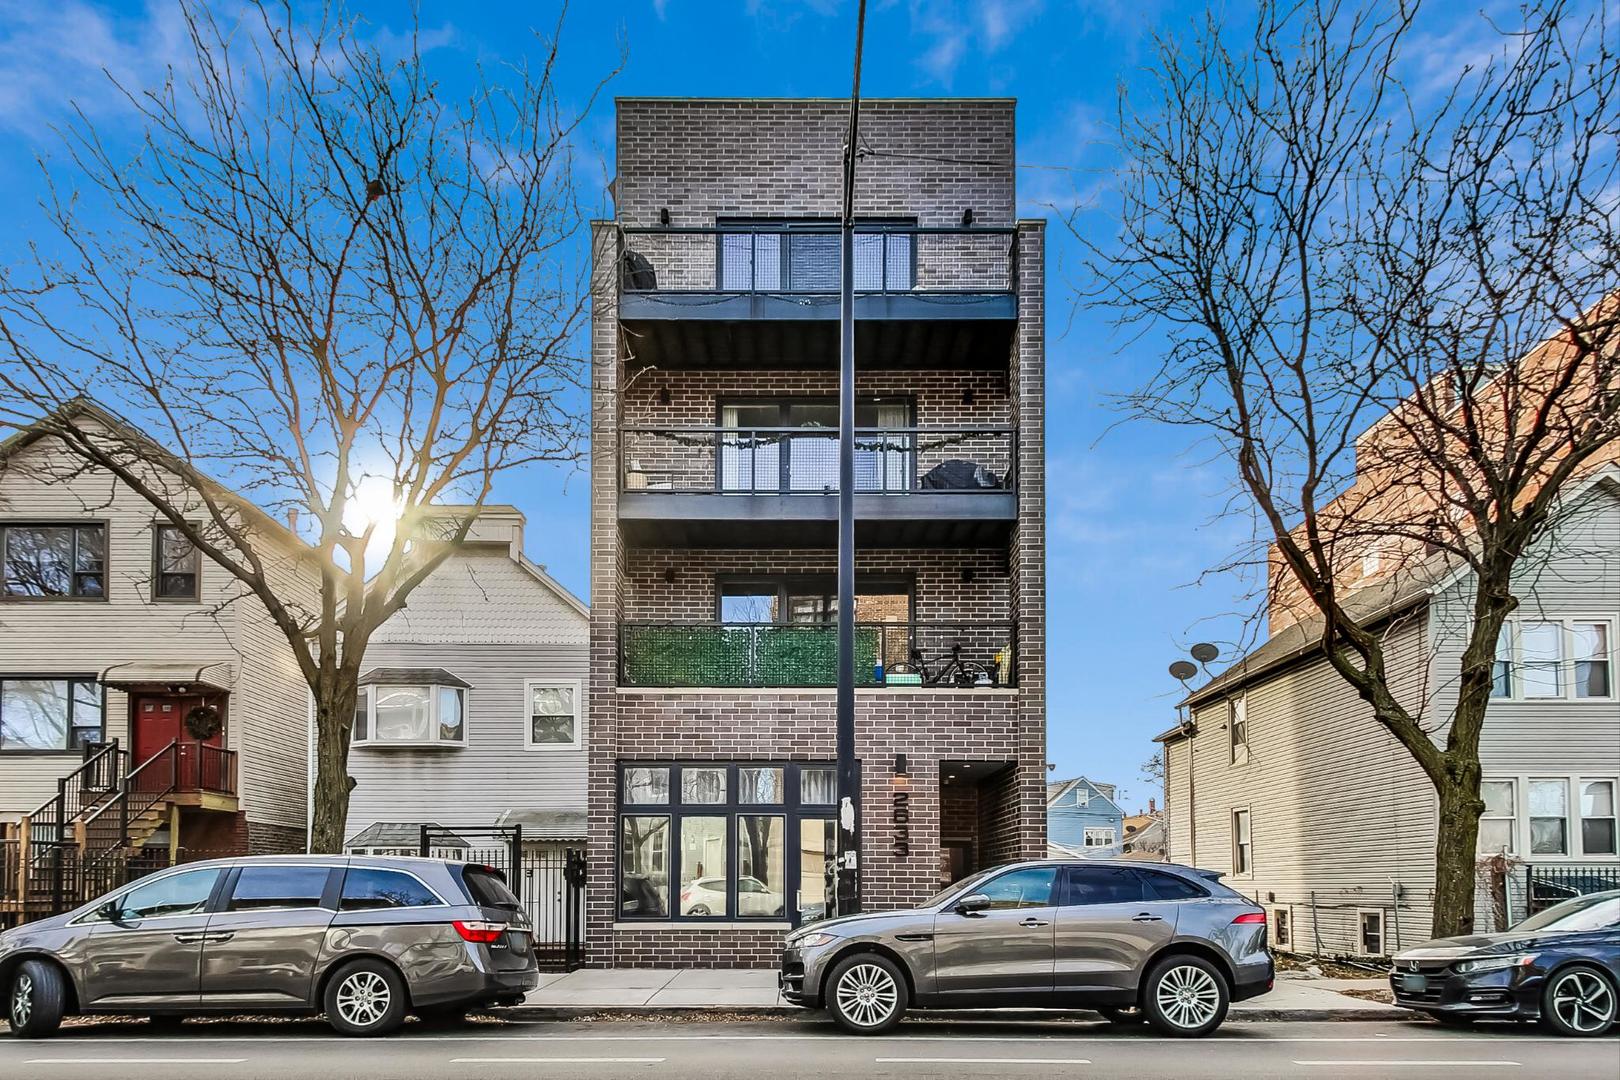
609 990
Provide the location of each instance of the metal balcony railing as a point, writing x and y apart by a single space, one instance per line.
804 461
967 655
804 257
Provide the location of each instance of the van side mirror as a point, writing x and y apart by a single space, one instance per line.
111 912
972 904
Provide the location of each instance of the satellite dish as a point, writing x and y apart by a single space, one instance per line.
1204 652
1182 670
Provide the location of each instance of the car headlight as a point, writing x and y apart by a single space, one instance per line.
813 940
1495 963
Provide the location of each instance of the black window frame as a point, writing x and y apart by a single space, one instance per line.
784 405
786 227
327 901
792 810
74 746
159 528
825 585
74 593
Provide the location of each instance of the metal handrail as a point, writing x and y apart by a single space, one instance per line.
94 760
130 788
820 227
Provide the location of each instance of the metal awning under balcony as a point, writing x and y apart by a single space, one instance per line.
765 296
776 487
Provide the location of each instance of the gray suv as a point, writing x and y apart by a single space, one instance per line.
1161 943
364 940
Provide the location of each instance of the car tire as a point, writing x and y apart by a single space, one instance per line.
36 1000
866 994
365 998
1185 997
1122 1017
1580 1001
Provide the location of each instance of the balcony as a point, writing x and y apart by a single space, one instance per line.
778 486
962 655
765 295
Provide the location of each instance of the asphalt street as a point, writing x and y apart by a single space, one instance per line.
775 1050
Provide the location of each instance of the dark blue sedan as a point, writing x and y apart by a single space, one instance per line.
1561 967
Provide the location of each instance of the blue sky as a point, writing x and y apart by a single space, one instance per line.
1134 512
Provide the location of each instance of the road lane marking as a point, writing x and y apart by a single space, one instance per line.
1413 1063
557 1061
1033 1036
980 1061
135 1061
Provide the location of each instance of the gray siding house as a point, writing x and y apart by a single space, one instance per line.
1280 779
472 710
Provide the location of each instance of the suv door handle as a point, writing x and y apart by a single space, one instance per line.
1033 922
1147 916
217 937
194 937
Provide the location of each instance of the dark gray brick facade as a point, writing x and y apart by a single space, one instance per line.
930 161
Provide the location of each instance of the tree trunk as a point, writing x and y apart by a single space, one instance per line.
334 717
1454 856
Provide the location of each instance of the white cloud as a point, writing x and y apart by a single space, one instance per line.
951 30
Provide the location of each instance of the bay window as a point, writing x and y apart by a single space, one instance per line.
40 715
52 561
730 838
428 710
1555 660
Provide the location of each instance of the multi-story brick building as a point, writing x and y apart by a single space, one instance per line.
714 475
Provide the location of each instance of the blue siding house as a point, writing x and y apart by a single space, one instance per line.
1082 818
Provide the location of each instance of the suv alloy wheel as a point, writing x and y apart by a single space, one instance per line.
1185 996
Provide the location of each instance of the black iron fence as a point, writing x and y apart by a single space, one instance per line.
804 257
1545 886
804 460
887 654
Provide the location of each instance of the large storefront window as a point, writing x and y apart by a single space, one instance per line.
740 842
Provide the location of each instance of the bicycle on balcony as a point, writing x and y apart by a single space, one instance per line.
949 670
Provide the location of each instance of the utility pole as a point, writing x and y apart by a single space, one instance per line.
848 894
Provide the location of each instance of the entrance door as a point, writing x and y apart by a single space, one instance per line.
156 720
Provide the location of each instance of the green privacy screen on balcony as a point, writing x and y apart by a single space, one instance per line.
748 655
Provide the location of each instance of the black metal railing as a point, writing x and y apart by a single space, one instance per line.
1545 885
801 258
804 461
887 654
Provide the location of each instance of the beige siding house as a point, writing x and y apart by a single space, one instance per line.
113 629
472 711
1280 779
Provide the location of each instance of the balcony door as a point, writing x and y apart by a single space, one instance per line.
792 446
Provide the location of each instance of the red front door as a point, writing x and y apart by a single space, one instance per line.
158 720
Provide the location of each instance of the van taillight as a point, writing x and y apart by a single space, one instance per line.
1250 917
480 933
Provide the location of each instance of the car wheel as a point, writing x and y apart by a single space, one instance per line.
36 1000
366 997
698 909
1185 996
1580 1001
866 994
1125 1017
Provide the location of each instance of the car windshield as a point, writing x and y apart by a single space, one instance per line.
1593 912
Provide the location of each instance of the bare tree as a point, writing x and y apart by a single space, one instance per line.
345 291
1388 306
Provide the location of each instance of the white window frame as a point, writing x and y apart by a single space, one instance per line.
1574 834
1383 932
1108 837
1246 848
1566 660
372 742
1282 915
578 687
1512 819
1237 720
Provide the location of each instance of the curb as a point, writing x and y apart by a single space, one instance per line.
698 1013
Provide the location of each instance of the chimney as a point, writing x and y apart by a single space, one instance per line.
1152 806
292 519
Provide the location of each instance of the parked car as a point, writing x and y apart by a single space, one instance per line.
1560 966
365 940
1168 944
706 895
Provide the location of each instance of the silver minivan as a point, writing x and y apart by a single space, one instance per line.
366 940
